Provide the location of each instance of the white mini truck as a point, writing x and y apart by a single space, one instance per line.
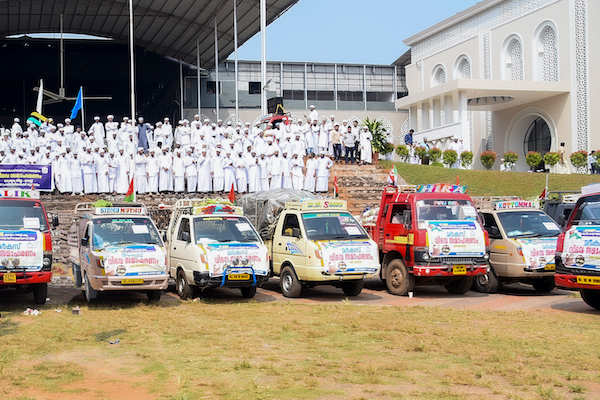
214 245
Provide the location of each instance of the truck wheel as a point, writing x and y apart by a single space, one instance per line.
545 285
248 292
289 283
486 283
591 297
397 278
90 293
353 288
183 289
154 295
40 293
459 285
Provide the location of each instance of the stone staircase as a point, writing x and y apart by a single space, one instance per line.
359 185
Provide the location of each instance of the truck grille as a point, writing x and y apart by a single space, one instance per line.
456 260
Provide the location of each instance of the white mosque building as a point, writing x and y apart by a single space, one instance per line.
508 75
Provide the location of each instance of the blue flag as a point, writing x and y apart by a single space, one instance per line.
78 104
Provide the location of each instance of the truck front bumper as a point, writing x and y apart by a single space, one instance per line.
203 279
142 282
449 270
24 277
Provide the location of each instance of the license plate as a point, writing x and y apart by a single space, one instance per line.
132 281
459 270
9 277
238 277
589 280
550 267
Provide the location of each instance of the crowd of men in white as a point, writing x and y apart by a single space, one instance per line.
197 156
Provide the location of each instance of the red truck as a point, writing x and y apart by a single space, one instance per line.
429 234
577 256
25 243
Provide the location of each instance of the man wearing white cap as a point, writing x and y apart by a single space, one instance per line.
252 167
122 183
196 124
366 149
152 169
218 173
276 170
241 173
165 181
16 128
113 171
310 179
204 166
167 132
143 134
324 164
76 175
263 172
229 176
178 172
102 171
89 171
141 179
69 129
297 166
314 115
110 126
191 173
97 129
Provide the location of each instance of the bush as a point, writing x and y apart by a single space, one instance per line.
551 158
387 148
533 159
437 164
450 157
488 159
421 152
435 154
466 159
596 157
403 152
510 157
579 159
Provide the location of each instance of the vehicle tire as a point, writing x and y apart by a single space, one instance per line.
591 297
545 285
486 283
289 283
397 278
459 285
40 293
353 288
248 292
154 295
183 289
90 293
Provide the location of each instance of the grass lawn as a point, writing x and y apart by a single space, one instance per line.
492 183
203 350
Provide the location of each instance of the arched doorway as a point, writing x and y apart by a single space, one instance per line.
530 130
538 137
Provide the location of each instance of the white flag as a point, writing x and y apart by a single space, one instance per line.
38 107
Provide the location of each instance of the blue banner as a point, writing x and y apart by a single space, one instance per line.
26 176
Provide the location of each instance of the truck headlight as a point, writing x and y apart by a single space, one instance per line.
47 262
425 256
235 261
486 256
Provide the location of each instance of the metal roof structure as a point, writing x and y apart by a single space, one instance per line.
167 27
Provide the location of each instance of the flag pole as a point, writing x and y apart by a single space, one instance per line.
82 110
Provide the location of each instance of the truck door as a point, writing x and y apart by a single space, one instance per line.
181 246
397 235
499 247
289 244
84 249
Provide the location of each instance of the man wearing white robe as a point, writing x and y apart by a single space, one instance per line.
241 174
287 172
178 173
218 173
366 150
141 179
97 129
252 167
191 173
229 172
263 173
152 169
164 177
276 170
76 175
113 170
123 161
110 126
297 167
102 172
314 115
310 179
89 171
204 167
324 164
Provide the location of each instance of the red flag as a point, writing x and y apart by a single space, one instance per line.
336 189
232 194
457 180
130 195
543 194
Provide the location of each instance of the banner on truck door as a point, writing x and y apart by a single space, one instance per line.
26 176
582 247
538 251
138 259
455 239
218 256
21 249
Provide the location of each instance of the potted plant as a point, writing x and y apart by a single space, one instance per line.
434 155
380 140
533 159
488 159
510 159
450 157
551 159
403 152
466 159
579 160
421 152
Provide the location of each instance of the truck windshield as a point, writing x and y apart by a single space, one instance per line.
332 226
123 230
588 213
12 213
224 229
445 210
520 224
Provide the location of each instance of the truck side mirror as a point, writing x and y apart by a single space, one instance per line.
85 242
164 236
296 233
55 221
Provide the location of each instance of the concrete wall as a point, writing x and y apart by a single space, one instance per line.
593 72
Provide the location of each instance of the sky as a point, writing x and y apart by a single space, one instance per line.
349 31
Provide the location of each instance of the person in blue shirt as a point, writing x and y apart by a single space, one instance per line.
408 138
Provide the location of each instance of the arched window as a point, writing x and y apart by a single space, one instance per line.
439 75
546 62
513 59
462 69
